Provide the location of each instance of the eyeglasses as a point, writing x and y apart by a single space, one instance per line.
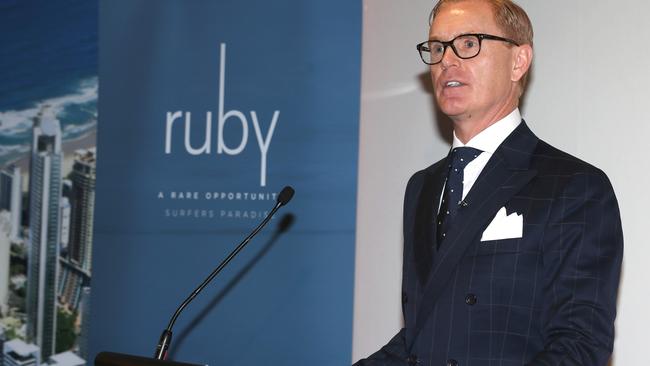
465 46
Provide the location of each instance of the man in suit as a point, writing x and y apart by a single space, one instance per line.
512 248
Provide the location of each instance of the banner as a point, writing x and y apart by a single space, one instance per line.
207 109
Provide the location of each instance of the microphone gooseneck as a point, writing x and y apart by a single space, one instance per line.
166 337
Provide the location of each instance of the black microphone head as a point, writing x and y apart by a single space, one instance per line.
285 195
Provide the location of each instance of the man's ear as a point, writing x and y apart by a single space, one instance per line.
523 58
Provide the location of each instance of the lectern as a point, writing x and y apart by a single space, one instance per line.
119 359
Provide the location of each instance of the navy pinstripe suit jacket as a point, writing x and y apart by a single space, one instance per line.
547 298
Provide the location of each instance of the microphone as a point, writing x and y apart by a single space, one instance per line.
285 195
166 337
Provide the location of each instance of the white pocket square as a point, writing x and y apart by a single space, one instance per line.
504 226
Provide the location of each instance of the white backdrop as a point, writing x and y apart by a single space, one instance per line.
588 96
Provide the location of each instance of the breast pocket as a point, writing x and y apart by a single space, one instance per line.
503 258
497 247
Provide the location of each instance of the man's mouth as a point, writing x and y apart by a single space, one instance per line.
453 83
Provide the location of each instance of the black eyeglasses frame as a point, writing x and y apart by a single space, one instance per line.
479 36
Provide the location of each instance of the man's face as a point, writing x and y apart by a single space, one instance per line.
486 90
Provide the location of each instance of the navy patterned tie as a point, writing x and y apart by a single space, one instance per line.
453 195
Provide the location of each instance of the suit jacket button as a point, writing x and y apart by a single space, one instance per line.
405 298
470 299
412 360
452 362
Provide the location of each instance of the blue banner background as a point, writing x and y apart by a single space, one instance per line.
287 299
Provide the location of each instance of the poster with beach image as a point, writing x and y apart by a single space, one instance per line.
48 121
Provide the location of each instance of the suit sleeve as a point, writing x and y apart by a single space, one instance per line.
392 354
583 251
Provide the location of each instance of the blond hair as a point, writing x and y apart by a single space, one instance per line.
511 19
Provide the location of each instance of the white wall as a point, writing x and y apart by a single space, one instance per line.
591 82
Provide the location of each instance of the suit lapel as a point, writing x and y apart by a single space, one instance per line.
505 174
425 228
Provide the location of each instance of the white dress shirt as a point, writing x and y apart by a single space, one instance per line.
487 141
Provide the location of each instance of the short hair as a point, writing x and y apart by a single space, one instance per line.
510 17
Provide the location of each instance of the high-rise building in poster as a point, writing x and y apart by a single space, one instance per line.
18 353
71 280
6 181
5 248
11 196
44 232
85 324
66 359
75 270
83 207
3 339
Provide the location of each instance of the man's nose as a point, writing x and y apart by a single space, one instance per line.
449 58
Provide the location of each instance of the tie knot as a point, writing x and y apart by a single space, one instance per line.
461 156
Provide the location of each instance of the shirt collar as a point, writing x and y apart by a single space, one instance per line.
489 139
